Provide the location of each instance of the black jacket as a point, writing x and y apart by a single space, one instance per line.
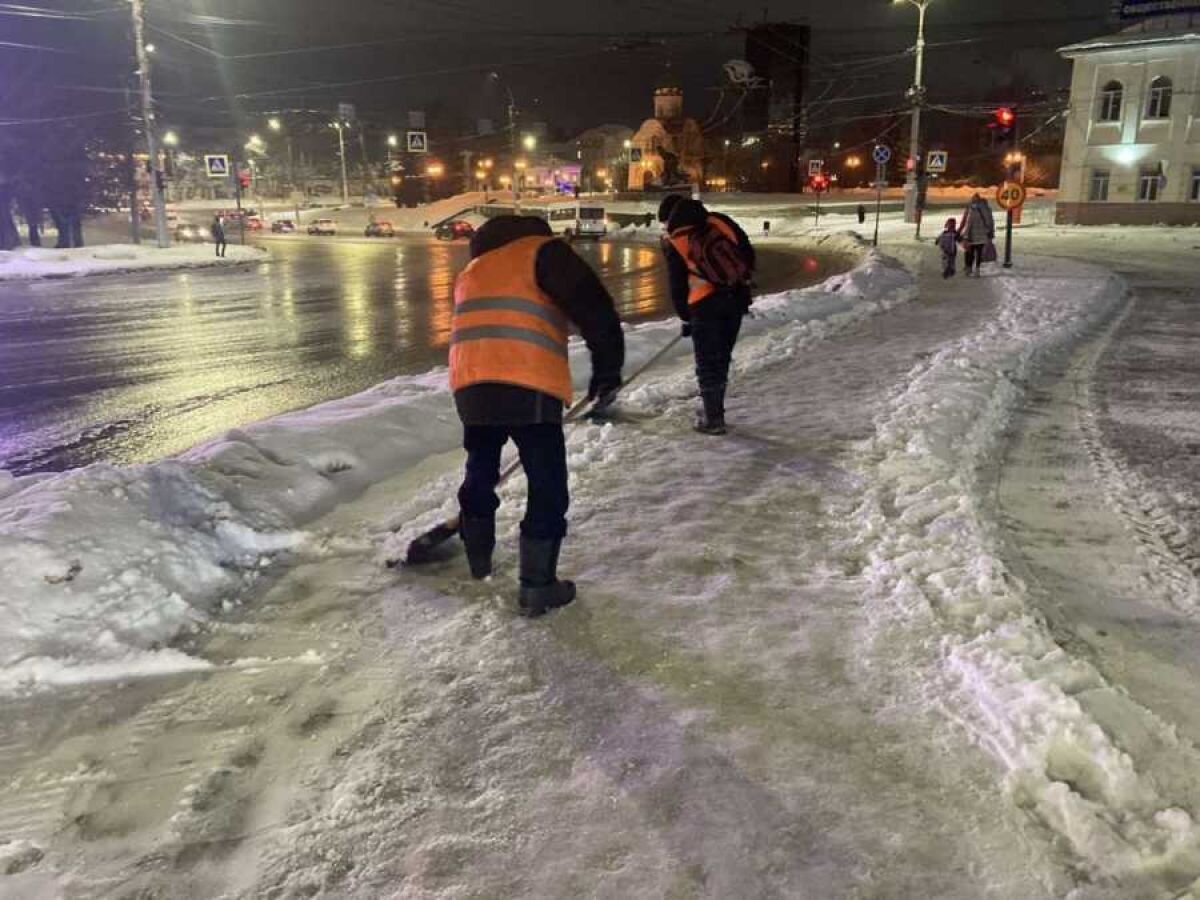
677 270
579 293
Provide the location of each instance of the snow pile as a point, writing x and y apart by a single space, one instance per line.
938 579
103 566
638 234
37 262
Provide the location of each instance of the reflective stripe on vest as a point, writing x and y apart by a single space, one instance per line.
698 287
506 329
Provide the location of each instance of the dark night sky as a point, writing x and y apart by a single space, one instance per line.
572 64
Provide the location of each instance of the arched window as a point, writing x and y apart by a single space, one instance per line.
1158 105
1110 102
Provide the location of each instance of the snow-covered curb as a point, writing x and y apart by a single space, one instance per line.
937 575
34 263
103 566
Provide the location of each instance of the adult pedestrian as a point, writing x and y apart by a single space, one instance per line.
976 230
710 264
862 214
218 235
509 372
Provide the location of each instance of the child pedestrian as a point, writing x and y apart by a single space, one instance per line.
948 243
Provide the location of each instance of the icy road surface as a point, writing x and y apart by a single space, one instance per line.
129 368
824 657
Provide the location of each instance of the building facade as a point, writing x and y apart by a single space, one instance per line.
1131 154
668 149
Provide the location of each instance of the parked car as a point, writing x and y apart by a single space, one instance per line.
322 226
380 229
283 226
190 234
455 228
254 223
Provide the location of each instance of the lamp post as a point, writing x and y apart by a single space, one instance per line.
341 129
917 95
143 51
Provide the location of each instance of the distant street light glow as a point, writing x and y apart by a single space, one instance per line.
274 124
170 139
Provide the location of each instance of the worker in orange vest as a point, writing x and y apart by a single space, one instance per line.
710 264
513 305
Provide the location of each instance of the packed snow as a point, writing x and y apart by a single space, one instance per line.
790 645
105 565
32 263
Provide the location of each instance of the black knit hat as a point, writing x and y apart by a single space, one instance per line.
667 206
687 213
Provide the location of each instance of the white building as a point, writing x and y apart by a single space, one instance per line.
1132 150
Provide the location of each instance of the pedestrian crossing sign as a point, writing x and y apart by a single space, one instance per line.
216 165
418 142
936 161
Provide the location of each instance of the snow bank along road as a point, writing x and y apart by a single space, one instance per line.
807 660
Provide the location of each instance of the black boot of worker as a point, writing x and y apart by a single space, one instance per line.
712 419
479 536
541 591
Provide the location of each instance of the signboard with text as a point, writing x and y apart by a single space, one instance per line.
1140 9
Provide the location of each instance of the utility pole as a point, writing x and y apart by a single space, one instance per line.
341 126
917 96
512 136
156 176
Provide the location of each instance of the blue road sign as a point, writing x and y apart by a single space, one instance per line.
216 165
881 154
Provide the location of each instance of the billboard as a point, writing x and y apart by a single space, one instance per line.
1140 9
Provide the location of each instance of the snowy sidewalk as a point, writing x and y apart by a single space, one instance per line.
34 263
756 695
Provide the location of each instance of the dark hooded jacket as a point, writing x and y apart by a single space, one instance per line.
579 293
686 212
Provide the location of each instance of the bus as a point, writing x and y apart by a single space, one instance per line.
570 218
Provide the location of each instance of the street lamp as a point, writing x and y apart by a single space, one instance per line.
171 139
393 141
274 124
917 93
529 142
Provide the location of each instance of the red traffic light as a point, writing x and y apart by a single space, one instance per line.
1005 117
819 183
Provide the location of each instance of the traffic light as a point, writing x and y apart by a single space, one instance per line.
1003 124
818 182
244 179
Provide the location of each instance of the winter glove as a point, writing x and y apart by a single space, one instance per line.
686 330
603 388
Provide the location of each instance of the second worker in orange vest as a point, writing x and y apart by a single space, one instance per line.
513 306
711 313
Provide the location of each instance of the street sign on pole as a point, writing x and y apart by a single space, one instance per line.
417 142
346 112
1010 195
882 154
815 166
216 165
936 161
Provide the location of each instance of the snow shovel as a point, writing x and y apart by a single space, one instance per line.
421 549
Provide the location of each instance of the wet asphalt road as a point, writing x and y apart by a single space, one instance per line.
130 368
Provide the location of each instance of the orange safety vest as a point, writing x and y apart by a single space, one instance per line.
506 329
698 288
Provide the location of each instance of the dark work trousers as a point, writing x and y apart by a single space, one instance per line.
221 247
974 256
716 322
543 456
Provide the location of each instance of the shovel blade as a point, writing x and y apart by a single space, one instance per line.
424 548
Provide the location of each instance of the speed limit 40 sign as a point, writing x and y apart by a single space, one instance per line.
1010 195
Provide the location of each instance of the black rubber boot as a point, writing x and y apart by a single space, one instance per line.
541 591
479 536
712 419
